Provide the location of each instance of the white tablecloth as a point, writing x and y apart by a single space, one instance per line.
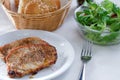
105 63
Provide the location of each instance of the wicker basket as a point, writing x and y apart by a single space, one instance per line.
49 21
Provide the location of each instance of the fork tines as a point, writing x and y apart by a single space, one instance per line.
86 50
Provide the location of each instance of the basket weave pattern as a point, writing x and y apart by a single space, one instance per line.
50 21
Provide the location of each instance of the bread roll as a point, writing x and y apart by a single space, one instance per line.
16 3
7 4
38 6
22 4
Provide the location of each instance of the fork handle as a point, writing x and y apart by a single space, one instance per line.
82 75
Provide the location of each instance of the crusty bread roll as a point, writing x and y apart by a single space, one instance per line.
38 6
7 3
22 4
16 3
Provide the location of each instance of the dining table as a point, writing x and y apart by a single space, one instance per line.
105 62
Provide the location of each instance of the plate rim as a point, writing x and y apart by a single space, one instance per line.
59 71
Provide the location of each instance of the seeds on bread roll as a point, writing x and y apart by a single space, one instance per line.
38 6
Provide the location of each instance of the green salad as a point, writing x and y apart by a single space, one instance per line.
103 19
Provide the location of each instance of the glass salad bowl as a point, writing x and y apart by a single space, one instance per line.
99 23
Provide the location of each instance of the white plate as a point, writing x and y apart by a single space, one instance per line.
64 50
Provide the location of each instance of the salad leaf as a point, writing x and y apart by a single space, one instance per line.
108 5
112 20
100 38
89 1
98 26
110 37
93 6
101 14
100 18
116 10
78 13
115 26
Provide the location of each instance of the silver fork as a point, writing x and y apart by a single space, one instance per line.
85 57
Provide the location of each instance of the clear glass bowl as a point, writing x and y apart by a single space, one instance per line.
49 21
102 38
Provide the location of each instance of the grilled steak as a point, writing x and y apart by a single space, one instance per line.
25 41
30 59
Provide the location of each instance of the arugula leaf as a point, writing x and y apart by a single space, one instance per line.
108 5
98 26
89 1
116 10
110 37
115 26
93 6
111 21
85 20
100 39
78 13
101 14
